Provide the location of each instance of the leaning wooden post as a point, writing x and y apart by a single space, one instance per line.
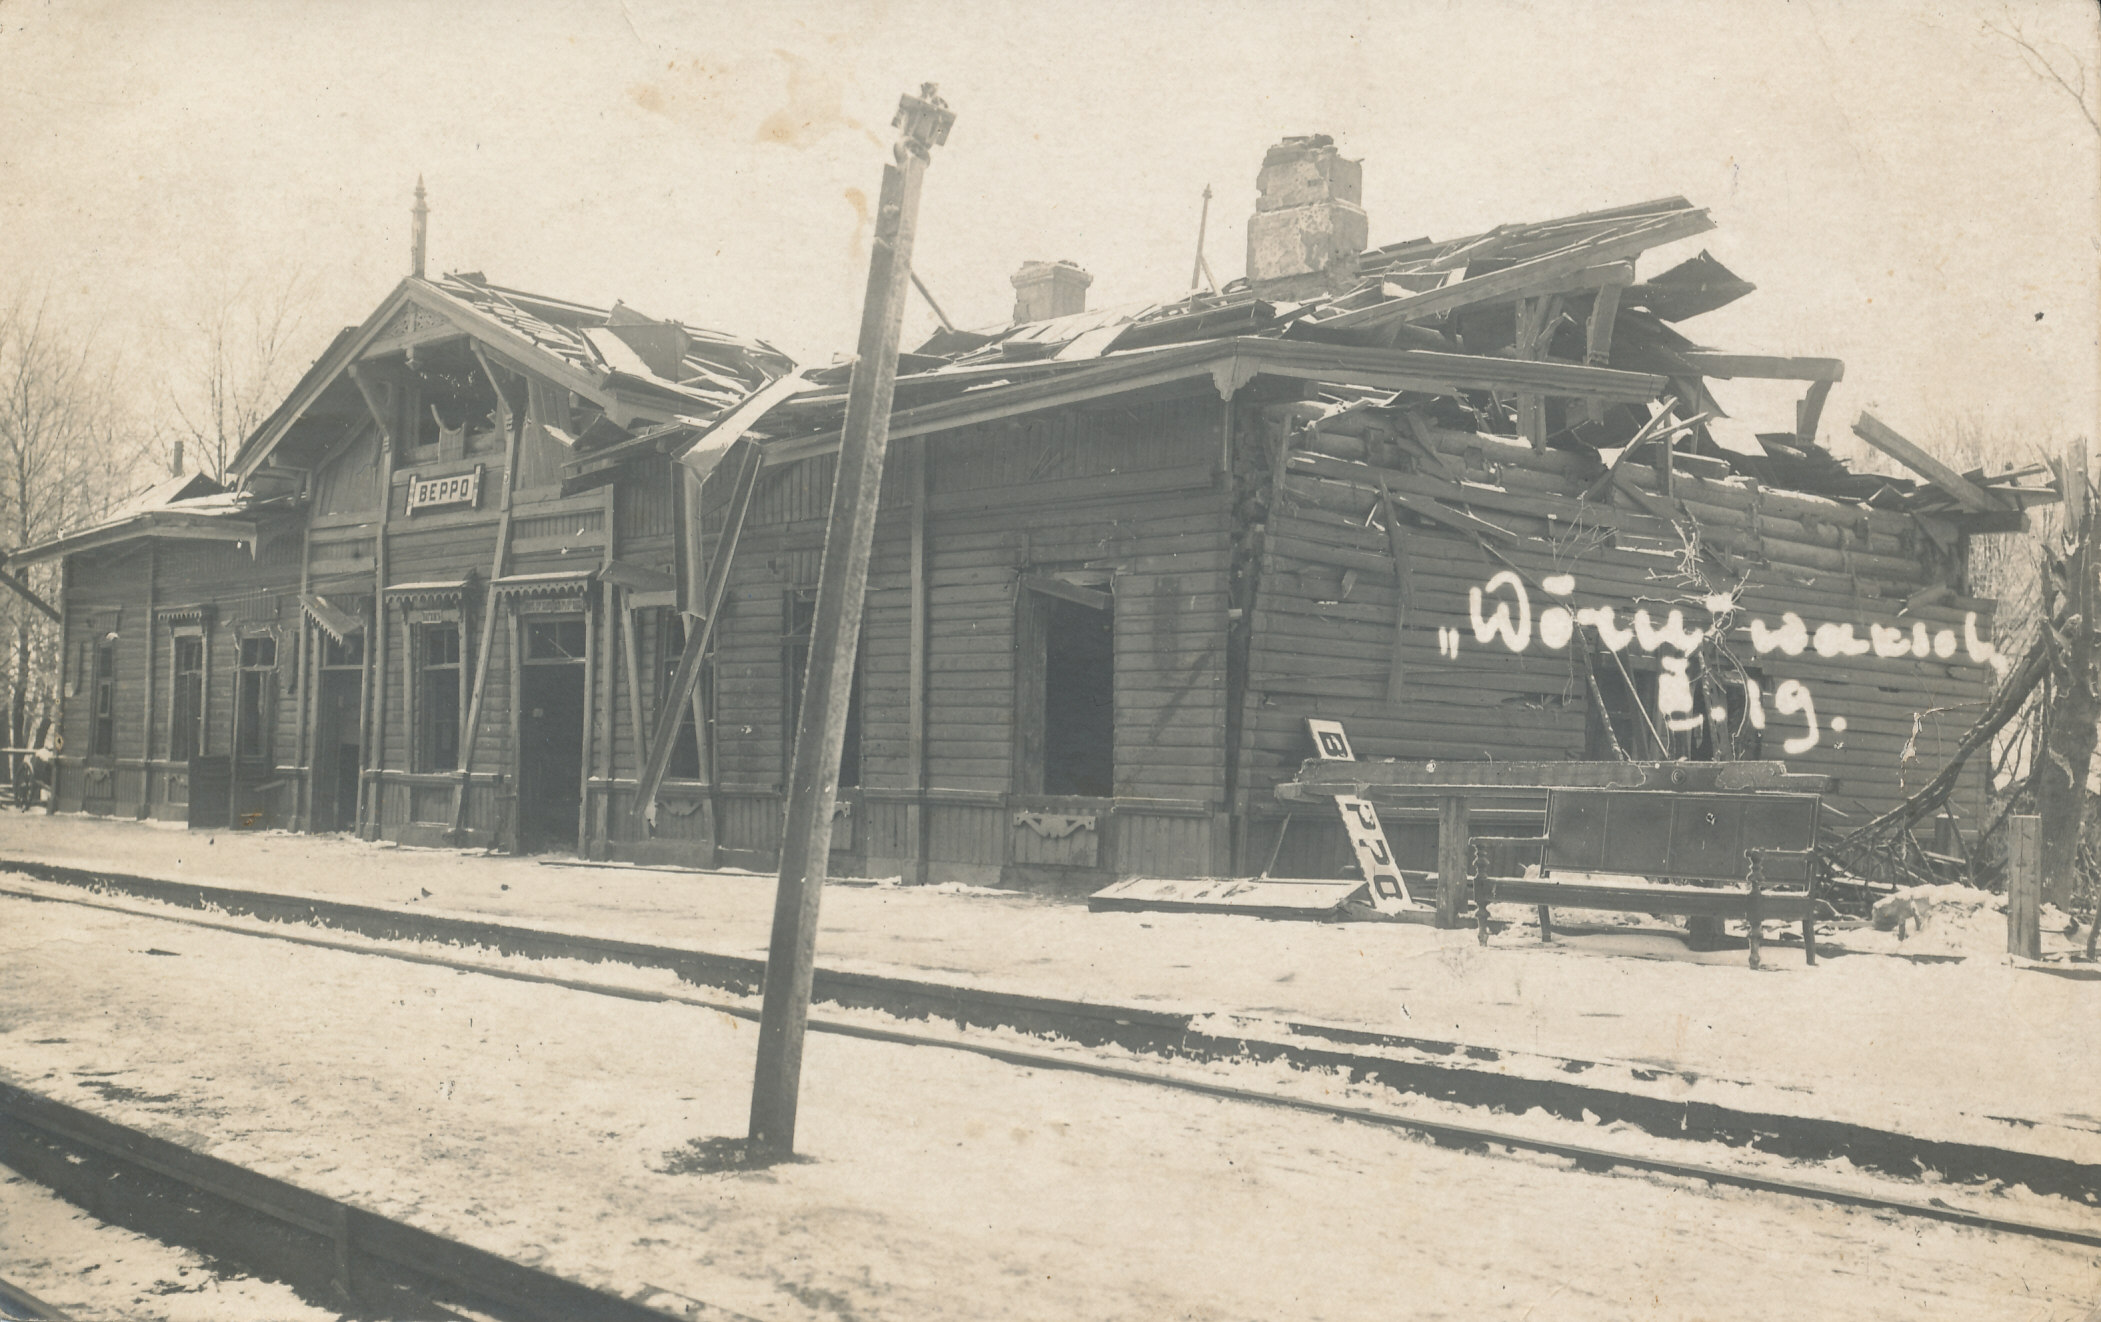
842 583
2024 887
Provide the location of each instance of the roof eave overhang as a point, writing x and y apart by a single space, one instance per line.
142 527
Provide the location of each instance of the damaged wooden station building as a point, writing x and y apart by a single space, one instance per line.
1474 498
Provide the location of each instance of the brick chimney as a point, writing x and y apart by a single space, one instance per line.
1309 223
1049 289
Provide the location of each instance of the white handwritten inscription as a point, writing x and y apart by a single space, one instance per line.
1500 612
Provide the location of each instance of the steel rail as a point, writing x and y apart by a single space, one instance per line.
1445 1133
366 1257
18 1305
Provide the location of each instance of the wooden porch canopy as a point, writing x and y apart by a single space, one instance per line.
332 620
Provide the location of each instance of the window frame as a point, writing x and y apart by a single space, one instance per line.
262 682
189 731
102 698
427 696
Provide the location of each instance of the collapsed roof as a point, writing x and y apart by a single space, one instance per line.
1469 328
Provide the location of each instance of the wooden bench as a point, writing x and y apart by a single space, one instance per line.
1740 844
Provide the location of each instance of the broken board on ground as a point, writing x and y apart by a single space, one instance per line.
1263 897
1281 897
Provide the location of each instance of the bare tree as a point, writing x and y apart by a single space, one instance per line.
66 458
232 362
2047 60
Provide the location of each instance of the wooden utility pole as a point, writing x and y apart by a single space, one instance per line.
2074 709
842 583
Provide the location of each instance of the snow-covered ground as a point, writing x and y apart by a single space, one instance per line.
561 1129
1930 1046
95 1272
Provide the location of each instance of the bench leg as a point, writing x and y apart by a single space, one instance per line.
1546 923
1809 935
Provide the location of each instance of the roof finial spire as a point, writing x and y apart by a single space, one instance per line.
420 233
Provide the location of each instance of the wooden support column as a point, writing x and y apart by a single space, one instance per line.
835 632
152 637
915 734
608 680
302 740
513 419
631 652
375 706
1452 852
588 754
2024 886
513 730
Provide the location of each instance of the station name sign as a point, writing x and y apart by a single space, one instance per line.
454 489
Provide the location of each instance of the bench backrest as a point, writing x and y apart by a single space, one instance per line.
1663 833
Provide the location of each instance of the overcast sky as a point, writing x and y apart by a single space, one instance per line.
1906 194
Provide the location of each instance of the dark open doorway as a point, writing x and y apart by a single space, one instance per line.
1066 683
338 756
551 734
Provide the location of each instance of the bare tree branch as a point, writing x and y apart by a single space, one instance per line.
2043 66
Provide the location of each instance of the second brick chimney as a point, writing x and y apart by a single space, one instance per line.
1309 223
1043 290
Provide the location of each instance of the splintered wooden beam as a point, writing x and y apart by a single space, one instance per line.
1971 496
1809 411
1526 277
1761 367
1597 339
745 460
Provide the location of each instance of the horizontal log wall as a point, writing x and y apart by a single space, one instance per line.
1323 625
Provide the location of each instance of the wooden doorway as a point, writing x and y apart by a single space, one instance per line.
338 758
551 732
1065 683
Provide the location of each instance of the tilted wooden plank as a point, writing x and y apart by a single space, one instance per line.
746 465
1763 367
1878 434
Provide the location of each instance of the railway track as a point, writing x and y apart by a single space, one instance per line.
1476 1137
18 1305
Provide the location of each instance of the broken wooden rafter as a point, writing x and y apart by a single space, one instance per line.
1809 411
1764 367
1526 277
1967 493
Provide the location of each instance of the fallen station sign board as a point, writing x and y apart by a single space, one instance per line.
427 493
